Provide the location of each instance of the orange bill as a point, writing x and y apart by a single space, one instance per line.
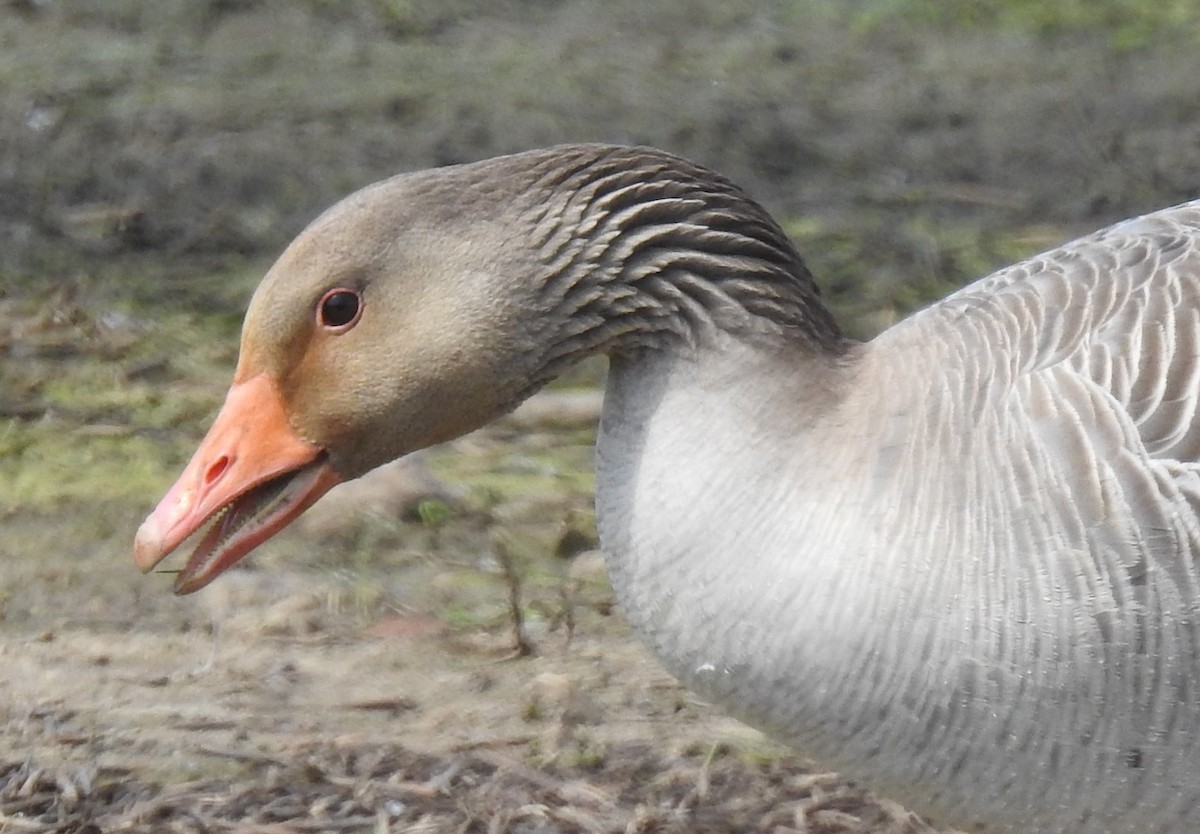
250 478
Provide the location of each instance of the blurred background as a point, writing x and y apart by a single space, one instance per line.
155 155
905 142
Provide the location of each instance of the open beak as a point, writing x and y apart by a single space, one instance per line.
250 478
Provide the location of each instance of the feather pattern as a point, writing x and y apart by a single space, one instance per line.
958 562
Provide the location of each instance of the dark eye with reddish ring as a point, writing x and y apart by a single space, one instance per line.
339 309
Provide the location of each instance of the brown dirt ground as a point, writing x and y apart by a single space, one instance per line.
288 728
266 713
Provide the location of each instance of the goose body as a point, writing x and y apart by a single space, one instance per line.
957 562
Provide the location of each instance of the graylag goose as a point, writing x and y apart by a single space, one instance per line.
957 563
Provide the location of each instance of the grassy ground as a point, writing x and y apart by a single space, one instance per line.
155 156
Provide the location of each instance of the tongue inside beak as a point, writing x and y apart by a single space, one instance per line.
250 478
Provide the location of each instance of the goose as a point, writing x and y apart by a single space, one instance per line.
957 563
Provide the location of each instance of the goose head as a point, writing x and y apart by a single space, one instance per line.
425 306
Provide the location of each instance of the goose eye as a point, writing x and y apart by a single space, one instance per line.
339 309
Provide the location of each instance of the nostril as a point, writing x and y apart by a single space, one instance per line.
215 471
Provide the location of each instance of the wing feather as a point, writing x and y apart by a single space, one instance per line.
1120 310
1076 376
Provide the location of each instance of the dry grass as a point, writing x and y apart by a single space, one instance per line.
386 788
